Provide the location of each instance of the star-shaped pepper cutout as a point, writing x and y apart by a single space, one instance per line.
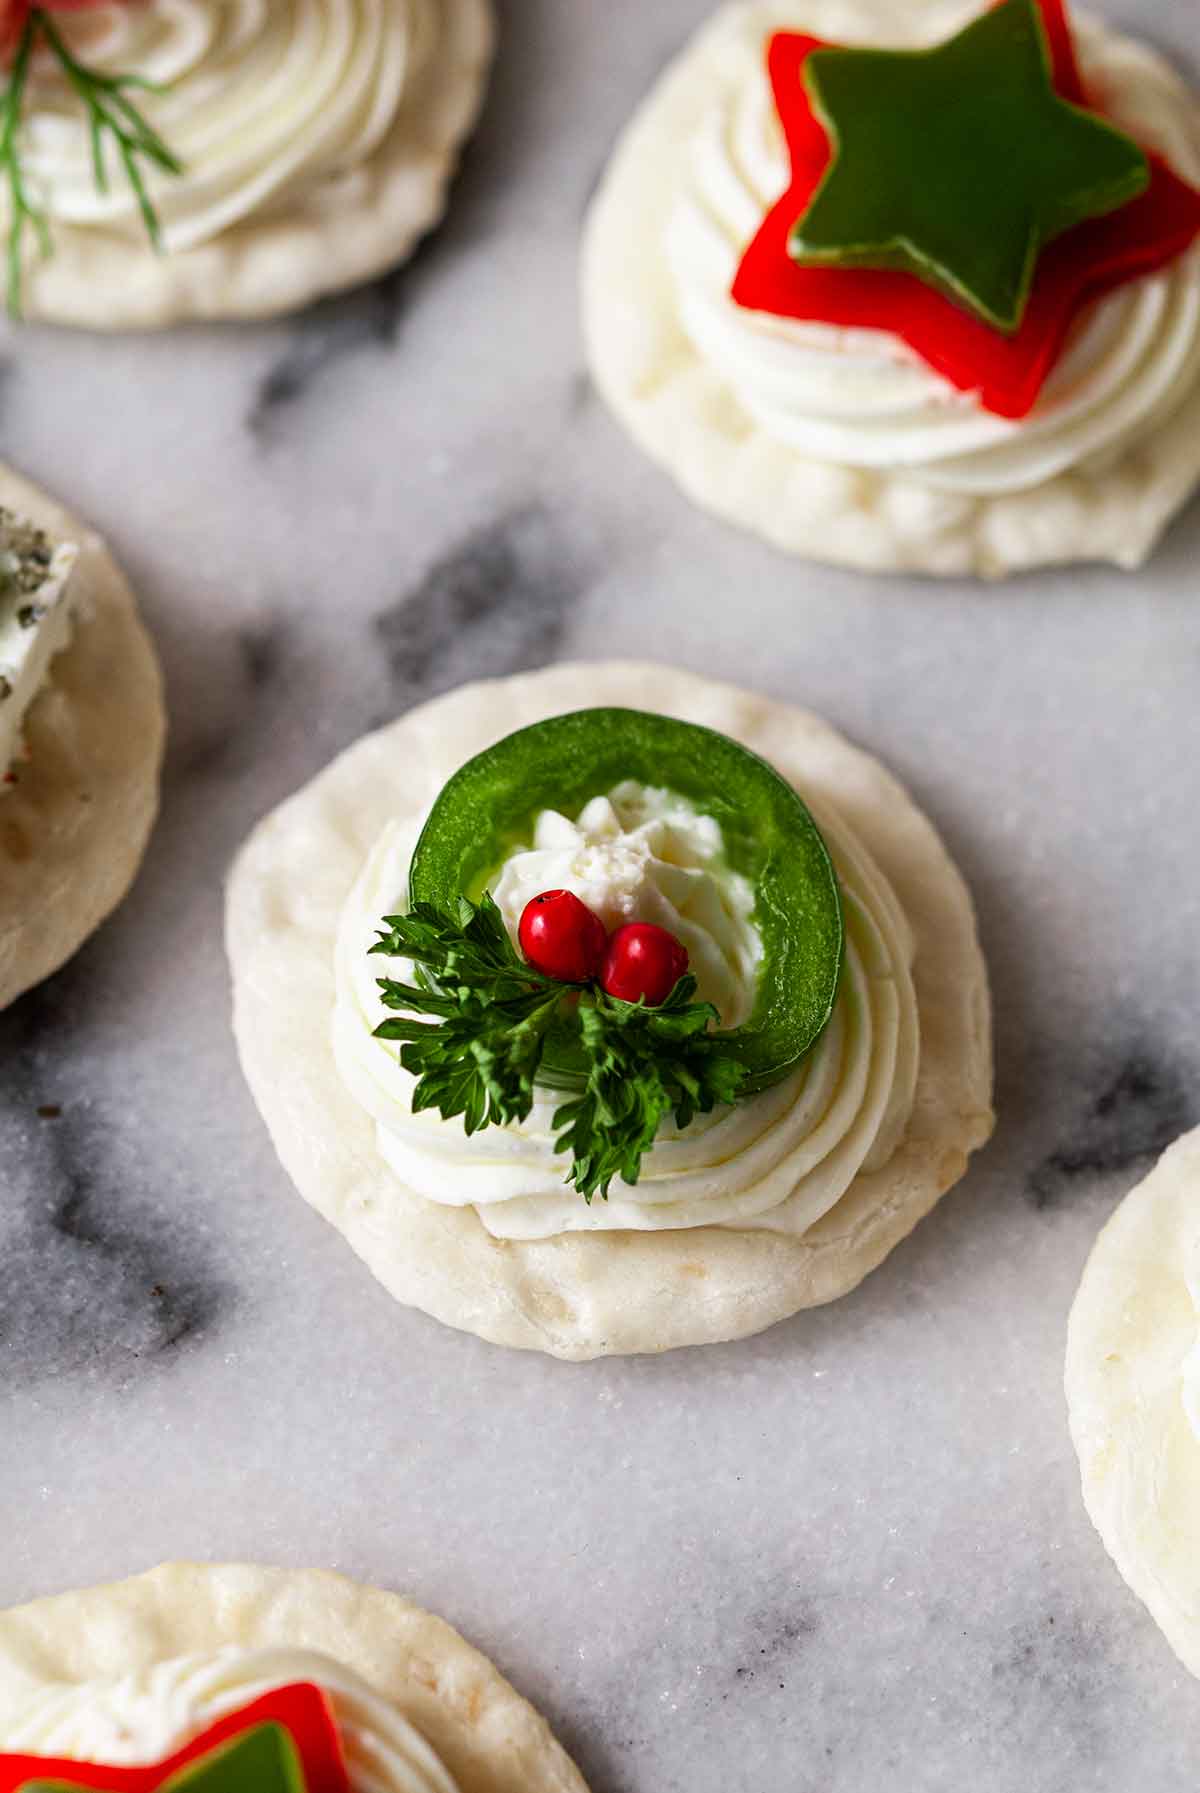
1005 372
957 164
285 1742
264 1760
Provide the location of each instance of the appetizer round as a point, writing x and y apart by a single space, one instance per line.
718 1185
81 735
1133 1391
280 153
275 1680
858 404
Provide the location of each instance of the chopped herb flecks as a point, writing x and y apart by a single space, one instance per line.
26 554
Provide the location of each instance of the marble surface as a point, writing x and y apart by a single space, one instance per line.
849 1554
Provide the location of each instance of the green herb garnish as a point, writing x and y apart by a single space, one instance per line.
113 122
480 1055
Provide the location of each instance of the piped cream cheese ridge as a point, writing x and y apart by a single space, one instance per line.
147 1715
859 398
261 99
778 1161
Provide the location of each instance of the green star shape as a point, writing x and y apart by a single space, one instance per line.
264 1760
959 163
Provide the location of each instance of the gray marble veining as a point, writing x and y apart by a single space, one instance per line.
847 1555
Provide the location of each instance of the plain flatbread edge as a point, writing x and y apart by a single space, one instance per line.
582 1295
683 415
278 263
1132 1324
490 1739
74 828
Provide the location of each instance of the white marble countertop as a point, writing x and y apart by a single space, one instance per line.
848 1555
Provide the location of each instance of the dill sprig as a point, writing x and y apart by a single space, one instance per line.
23 213
115 125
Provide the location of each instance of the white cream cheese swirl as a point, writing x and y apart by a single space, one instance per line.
860 398
642 854
262 99
151 1713
778 1160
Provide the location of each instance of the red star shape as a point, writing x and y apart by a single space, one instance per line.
301 1708
1005 372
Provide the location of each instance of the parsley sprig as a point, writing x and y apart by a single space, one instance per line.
114 123
492 1014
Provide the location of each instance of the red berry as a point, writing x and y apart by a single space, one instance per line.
561 937
643 963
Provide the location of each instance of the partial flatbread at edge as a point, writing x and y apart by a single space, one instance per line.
340 235
489 1738
1133 1324
682 413
74 827
583 1295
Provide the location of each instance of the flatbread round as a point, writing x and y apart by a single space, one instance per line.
74 827
1133 1325
327 239
489 1738
586 1295
684 415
